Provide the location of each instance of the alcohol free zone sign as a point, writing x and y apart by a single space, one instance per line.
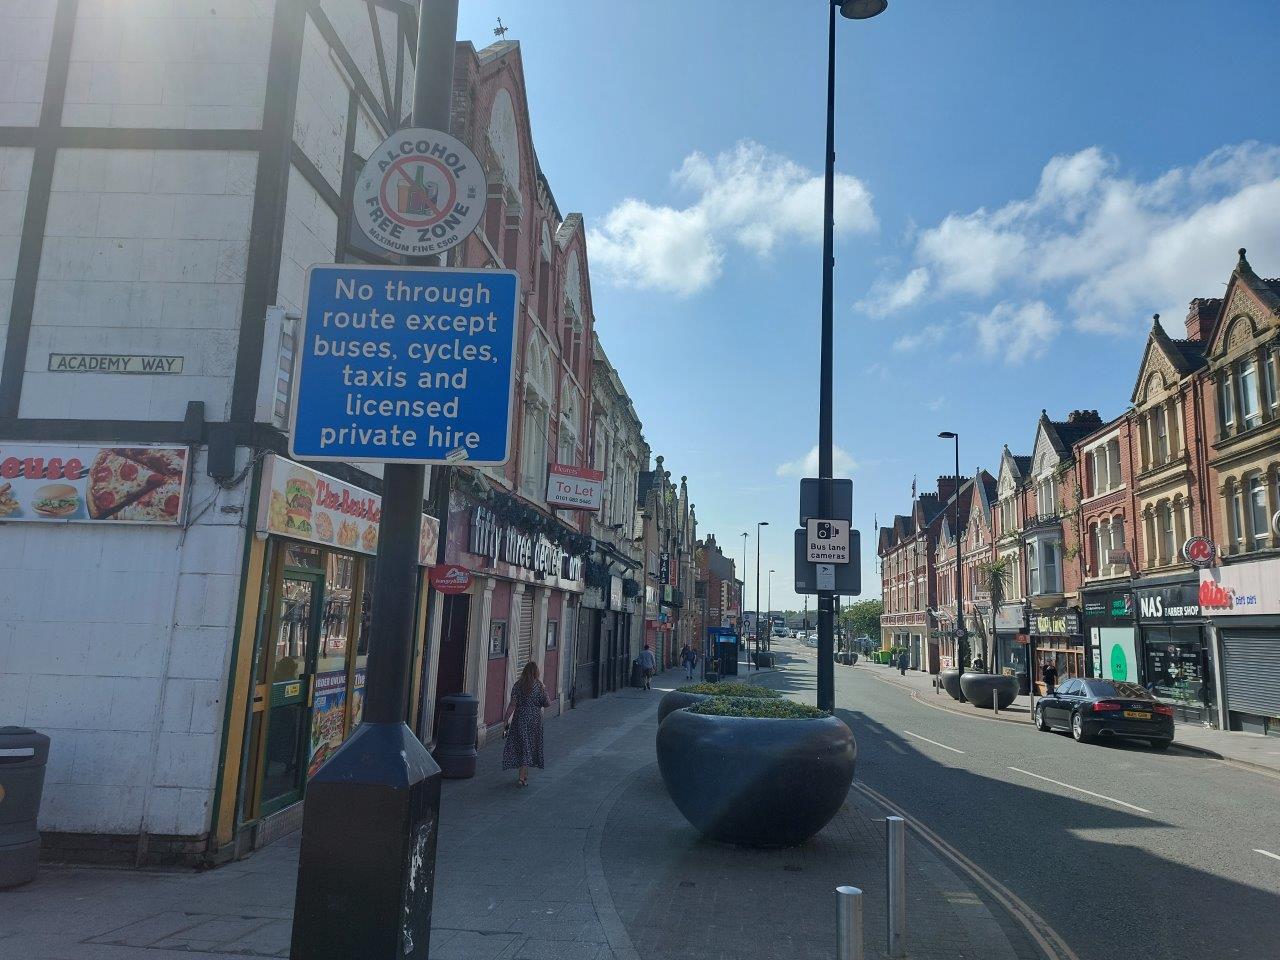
421 193
405 365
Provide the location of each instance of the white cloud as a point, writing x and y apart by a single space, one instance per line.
1016 332
748 196
937 403
926 336
1113 247
842 464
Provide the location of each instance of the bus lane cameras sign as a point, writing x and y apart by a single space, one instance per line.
828 541
420 193
405 365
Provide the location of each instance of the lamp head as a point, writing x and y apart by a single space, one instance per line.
763 523
947 435
862 9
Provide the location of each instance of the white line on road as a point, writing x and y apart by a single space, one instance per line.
1267 853
1100 796
934 742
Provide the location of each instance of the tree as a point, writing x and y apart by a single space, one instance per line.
993 575
862 618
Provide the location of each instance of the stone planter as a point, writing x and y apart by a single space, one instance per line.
735 778
950 680
678 700
981 688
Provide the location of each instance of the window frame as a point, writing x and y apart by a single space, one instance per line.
1248 388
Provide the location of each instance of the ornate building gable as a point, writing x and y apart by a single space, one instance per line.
1045 456
1158 374
1251 314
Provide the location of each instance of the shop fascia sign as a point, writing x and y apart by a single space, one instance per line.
1241 589
1168 602
1064 623
497 541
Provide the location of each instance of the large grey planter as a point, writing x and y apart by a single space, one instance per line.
678 700
736 778
950 680
981 689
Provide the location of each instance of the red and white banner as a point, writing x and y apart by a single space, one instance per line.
450 578
574 488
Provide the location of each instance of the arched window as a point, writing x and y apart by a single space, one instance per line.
536 419
1164 523
570 425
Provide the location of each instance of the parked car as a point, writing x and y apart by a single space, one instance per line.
1090 709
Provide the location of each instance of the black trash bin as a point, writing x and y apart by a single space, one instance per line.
23 755
456 738
1024 683
637 675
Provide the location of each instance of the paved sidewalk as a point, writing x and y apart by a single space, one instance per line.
591 861
1251 750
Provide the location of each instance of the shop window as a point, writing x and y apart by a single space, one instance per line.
553 634
497 639
1174 665
303 555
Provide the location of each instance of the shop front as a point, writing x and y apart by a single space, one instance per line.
1175 656
603 655
1111 634
1054 637
1243 602
1011 638
523 600
312 560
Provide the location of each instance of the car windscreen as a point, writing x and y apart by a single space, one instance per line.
1118 688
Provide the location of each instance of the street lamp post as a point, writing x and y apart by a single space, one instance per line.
742 591
769 640
762 523
852 10
955 531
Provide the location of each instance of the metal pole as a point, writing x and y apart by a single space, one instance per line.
366 885
850 943
742 597
955 531
757 655
826 652
896 841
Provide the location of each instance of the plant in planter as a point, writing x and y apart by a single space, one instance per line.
979 686
732 766
696 693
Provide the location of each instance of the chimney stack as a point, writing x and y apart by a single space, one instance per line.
1202 317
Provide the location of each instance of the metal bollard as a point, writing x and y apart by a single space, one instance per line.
849 942
995 704
896 840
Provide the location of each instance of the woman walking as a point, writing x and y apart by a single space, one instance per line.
523 724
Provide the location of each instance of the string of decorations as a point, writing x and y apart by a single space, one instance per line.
515 512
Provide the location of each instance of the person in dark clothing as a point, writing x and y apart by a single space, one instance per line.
1049 673
903 661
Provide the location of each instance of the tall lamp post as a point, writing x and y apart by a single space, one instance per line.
742 592
852 10
769 639
955 531
762 523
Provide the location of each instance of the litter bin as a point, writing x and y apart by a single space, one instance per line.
23 754
637 675
456 738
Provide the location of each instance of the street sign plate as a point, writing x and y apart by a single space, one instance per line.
810 499
828 541
420 193
848 576
825 576
405 365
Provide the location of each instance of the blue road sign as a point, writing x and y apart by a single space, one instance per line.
405 365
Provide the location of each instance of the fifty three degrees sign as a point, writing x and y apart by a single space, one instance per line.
421 193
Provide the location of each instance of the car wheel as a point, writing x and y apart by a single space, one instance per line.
1041 725
1160 744
1077 729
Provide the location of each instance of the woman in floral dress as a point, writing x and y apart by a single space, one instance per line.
524 724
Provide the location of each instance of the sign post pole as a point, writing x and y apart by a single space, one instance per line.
366 872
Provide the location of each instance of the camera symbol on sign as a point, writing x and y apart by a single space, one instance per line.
824 531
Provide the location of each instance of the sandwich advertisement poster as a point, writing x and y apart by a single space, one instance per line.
47 482
303 504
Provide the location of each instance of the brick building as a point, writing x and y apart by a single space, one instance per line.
909 583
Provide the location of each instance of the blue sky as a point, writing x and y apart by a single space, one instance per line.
1022 186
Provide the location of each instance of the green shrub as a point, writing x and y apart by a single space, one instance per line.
766 709
732 690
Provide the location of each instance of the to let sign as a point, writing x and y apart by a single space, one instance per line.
574 488
828 542
405 365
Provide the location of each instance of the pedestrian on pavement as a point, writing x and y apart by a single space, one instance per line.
647 665
1050 674
902 663
522 725
689 658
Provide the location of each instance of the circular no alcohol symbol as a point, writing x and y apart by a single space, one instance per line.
420 193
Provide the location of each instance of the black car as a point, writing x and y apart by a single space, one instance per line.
1106 708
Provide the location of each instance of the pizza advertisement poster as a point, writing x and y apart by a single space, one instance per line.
304 504
90 483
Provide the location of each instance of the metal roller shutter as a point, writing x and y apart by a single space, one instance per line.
1251 667
524 645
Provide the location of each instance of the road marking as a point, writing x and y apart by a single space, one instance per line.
1100 796
1048 939
1267 853
934 742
